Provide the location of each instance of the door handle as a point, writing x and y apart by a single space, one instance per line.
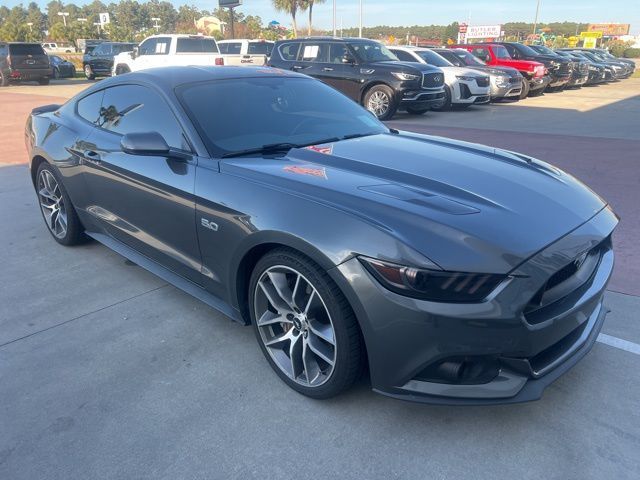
91 156
297 67
327 69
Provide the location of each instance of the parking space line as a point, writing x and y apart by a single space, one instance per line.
616 342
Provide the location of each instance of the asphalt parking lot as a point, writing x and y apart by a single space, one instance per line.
108 372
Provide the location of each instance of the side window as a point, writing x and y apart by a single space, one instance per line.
162 46
337 52
132 108
404 56
315 52
4 50
148 47
289 51
89 107
515 54
481 53
98 50
223 47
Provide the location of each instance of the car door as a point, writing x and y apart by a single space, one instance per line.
100 63
145 202
344 77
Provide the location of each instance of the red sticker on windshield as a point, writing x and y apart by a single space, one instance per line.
314 172
328 150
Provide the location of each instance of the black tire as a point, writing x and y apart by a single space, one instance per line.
44 81
88 72
383 92
349 352
75 230
417 111
56 73
525 89
4 79
122 69
446 105
537 93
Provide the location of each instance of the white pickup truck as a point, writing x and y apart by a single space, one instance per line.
245 52
51 47
169 50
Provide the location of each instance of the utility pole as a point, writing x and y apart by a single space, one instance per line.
156 25
64 16
335 31
535 23
360 29
231 22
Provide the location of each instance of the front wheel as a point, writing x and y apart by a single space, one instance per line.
59 215
304 325
381 101
122 69
56 73
525 89
88 72
446 105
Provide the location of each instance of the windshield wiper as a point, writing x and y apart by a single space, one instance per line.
276 148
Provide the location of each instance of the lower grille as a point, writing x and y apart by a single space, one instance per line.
432 80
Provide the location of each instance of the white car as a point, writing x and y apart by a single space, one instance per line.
463 86
169 50
245 52
51 47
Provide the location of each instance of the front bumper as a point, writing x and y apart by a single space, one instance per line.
578 81
406 337
425 97
538 83
464 92
512 90
559 81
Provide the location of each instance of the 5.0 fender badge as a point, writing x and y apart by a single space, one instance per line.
209 224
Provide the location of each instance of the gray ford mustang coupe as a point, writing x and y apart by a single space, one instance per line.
458 273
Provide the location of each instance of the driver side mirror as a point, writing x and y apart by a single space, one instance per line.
135 52
150 144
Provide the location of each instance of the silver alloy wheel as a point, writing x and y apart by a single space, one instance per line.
87 71
379 103
52 204
295 326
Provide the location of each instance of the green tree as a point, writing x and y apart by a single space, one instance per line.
292 7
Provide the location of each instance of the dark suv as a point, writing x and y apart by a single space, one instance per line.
365 71
560 69
99 61
23 61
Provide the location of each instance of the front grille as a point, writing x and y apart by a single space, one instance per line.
564 68
482 81
583 67
566 282
432 80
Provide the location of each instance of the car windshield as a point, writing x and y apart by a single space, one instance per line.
432 58
501 52
545 49
122 48
373 52
247 113
525 50
260 48
467 58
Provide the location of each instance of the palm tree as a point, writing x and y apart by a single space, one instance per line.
309 4
291 7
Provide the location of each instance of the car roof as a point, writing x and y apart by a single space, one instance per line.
330 39
168 78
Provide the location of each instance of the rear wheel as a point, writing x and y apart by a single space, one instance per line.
381 101
88 72
59 215
304 325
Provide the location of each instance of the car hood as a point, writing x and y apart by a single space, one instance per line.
390 65
465 207
491 70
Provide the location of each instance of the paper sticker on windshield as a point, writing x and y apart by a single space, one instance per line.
314 172
327 150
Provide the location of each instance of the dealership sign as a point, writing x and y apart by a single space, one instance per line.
484 31
610 29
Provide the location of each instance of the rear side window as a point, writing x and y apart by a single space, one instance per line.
4 50
315 52
482 53
259 48
26 49
196 45
89 107
134 108
404 56
289 51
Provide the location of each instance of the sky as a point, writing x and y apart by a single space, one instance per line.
439 12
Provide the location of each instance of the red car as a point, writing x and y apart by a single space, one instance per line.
535 72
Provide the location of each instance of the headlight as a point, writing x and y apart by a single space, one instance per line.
405 76
435 286
593 67
465 78
502 81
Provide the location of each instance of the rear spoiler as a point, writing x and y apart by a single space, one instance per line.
45 109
